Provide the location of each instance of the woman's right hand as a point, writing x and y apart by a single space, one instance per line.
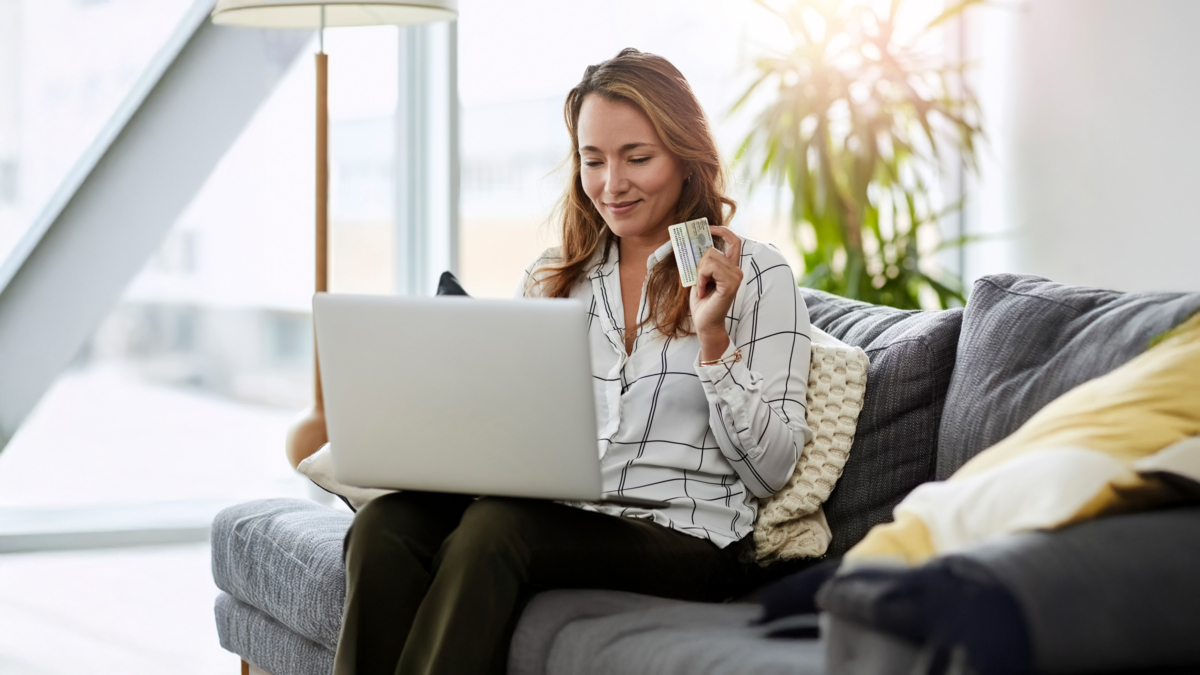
719 277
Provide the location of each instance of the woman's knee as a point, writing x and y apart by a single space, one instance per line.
380 511
490 527
413 520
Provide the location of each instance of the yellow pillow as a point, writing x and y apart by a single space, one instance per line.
1073 460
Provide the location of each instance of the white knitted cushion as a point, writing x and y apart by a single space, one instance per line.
791 523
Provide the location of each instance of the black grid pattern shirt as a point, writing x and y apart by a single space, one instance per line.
708 440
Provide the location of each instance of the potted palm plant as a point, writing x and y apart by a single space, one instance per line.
858 123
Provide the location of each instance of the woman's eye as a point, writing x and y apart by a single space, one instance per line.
590 163
639 160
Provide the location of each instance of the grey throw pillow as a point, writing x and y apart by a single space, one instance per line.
1027 340
895 448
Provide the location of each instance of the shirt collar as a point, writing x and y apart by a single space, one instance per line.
604 261
662 253
604 267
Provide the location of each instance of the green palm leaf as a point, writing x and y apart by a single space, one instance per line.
855 125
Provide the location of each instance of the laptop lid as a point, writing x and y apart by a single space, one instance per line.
451 394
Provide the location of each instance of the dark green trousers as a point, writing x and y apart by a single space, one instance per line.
435 583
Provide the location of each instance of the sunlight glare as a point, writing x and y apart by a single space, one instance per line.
912 17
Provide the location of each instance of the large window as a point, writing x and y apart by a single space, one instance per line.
65 66
179 403
195 376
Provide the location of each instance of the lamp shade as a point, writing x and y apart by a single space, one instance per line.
304 14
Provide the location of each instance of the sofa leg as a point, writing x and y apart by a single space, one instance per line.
248 669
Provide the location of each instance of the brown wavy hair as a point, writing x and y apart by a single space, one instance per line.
652 85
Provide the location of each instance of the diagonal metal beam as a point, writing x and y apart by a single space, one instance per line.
114 209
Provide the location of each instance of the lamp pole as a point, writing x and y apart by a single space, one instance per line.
309 433
322 271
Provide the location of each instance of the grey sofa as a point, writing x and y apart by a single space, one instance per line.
942 387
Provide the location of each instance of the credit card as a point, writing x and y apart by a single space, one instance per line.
690 240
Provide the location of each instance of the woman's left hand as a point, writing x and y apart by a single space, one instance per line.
719 276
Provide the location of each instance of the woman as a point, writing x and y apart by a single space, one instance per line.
699 392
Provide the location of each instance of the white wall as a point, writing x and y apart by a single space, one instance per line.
1095 159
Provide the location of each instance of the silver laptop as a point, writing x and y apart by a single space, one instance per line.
455 394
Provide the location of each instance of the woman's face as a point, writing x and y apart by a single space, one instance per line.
629 175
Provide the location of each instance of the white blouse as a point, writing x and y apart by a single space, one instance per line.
708 440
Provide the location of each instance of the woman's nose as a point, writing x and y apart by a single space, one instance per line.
618 181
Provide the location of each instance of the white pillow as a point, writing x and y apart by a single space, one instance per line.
319 469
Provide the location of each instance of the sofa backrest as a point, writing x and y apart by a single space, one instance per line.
896 444
1026 340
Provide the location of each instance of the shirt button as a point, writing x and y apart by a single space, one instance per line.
726 392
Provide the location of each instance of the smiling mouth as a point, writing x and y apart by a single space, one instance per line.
616 206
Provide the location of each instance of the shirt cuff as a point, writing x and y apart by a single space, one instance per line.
732 386
719 377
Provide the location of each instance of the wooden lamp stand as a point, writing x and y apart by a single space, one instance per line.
308 434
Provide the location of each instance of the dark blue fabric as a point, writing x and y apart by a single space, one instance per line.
802 627
950 603
795 594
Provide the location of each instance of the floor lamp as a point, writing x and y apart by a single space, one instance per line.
309 434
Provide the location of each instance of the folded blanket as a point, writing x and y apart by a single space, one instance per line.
1120 442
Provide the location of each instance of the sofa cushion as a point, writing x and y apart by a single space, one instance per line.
266 643
1027 340
895 448
284 557
588 632
547 613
